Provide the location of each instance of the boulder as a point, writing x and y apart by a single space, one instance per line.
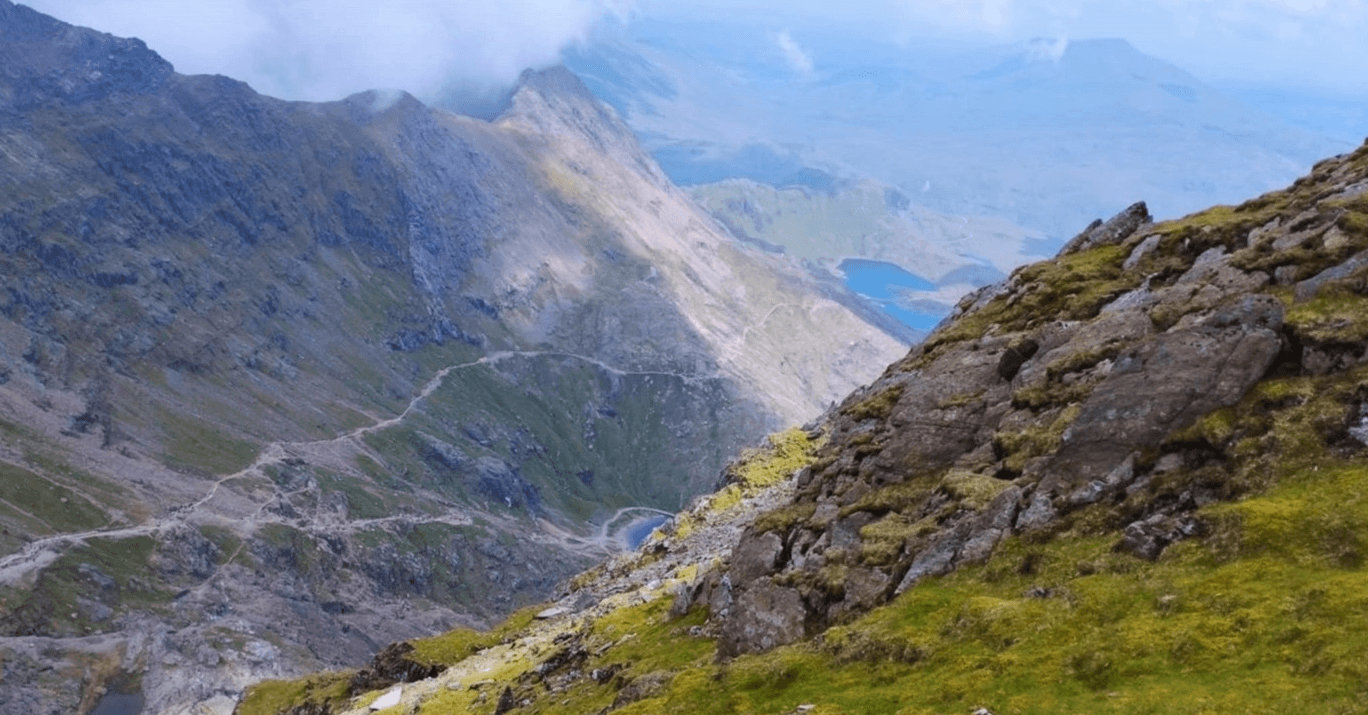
1165 384
764 616
1114 231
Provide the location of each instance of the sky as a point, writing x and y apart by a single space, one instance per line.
326 49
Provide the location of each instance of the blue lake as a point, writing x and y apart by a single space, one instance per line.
877 281
636 532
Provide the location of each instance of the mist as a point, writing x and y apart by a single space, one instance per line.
327 49
475 49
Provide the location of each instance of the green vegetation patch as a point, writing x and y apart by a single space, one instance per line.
1336 315
785 453
785 517
1072 287
326 692
61 509
195 446
362 503
973 491
1037 440
458 644
85 589
1051 394
876 407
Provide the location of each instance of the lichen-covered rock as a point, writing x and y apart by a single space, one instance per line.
764 616
1081 397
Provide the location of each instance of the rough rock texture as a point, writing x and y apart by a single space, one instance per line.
1062 398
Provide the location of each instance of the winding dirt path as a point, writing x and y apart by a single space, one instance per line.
40 553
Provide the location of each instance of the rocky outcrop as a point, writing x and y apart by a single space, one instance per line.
1065 395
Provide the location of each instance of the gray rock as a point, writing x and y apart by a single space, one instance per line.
755 556
1307 289
1140 251
1139 298
1165 384
1147 538
1038 515
1116 479
642 687
994 523
864 589
938 557
845 533
1115 230
764 617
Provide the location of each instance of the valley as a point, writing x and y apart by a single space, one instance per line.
281 382
684 378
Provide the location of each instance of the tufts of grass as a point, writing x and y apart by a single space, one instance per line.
972 491
1335 315
1037 440
785 517
785 453
458 644
1072 287
272 697
876 407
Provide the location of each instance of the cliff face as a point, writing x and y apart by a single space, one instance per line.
280 382
1127 479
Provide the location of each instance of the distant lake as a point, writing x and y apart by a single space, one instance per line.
877 280
637 532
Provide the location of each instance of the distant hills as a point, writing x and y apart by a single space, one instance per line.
1045 135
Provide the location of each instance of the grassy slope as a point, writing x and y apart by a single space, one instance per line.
1264 616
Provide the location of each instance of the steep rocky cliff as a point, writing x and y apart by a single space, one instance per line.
1128 479
281 382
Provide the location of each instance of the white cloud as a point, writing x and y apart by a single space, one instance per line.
797 57
323 49
1047 50
326 49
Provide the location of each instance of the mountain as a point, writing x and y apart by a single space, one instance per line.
1128 479
1021 144
1045 134
281 382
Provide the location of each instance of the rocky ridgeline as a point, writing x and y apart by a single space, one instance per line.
1068 386
1152 385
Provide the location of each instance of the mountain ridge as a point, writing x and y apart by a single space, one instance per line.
271 366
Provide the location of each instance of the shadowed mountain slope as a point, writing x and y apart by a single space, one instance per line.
281 382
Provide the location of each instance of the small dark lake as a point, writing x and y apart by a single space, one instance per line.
877 280
119 704
637 531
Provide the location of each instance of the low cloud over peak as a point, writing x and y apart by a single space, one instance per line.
327 49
